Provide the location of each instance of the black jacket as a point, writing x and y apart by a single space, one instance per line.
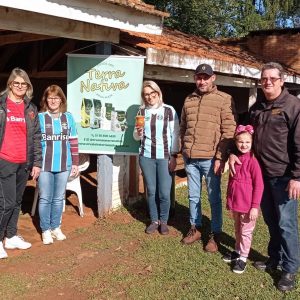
277 135
34 149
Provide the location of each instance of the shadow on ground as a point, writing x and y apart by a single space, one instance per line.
179 219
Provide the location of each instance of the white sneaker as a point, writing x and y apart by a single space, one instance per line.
3 253
16 242
47 237
57 234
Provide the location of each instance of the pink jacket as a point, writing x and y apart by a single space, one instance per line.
245 188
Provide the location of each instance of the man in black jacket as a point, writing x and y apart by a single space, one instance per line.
276 122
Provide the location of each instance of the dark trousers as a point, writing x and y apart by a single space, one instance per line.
13 179
281 216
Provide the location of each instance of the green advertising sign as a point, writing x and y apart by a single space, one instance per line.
104 94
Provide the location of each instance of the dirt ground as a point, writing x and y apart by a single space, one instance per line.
40 260
29 226
57 270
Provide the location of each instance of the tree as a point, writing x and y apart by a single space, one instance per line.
228 17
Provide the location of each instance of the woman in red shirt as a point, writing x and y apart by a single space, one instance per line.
20 154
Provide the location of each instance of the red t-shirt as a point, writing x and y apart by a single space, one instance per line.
14 142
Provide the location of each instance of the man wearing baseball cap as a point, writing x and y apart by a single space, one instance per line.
206 130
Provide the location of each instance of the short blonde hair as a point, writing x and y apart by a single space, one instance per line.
154 86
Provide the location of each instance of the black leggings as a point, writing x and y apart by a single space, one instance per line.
13 179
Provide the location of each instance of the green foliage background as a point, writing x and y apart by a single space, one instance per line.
228 18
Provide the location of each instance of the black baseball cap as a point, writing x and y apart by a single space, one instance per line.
204 69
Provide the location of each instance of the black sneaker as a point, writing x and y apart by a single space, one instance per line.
164 230
152 228
286 282
267 265
230 256
239 266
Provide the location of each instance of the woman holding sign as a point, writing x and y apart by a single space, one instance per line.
60 159
157 127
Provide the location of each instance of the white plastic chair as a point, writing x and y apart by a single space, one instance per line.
73 185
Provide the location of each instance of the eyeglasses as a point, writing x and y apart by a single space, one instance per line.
22 84
272 79
54 99
154 93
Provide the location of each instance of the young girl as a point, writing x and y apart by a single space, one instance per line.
244 194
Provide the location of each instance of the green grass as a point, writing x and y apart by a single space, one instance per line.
12 285
115 259
162 268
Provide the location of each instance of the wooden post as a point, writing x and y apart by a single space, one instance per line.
252 96
104 163
104 186
133 191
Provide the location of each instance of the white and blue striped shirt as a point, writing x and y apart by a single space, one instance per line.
161 132
55 141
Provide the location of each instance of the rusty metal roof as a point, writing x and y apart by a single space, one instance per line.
140 6
178 42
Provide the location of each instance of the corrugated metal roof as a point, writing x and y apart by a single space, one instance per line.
140 6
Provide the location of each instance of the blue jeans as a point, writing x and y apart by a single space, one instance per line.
158 182
52 188
195 170
281 216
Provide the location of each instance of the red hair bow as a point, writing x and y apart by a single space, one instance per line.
241 128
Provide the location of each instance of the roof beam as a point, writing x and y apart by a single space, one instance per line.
16 38
68 45
187 76
40 75
93 12
24 21
49 74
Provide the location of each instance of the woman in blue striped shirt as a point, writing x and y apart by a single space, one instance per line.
159 138
60 158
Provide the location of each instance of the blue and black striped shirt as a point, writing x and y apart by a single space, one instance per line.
161 132
56 133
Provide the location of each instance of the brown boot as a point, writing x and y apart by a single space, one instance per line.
213 242
192 236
